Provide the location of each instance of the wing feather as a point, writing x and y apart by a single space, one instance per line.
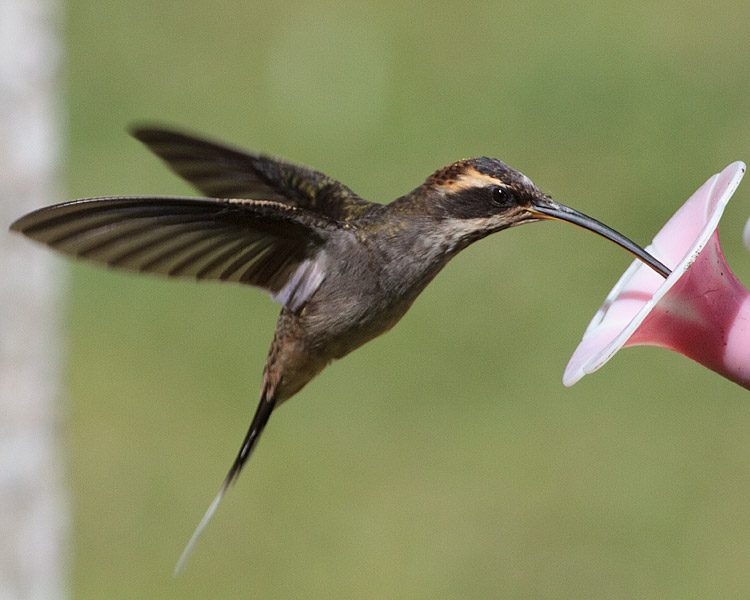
271 245
220 171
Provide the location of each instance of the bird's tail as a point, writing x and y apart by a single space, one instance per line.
262 414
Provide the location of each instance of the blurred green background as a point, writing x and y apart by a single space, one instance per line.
445 459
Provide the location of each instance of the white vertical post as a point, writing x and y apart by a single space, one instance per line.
33 500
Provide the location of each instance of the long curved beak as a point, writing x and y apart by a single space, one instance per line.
546 208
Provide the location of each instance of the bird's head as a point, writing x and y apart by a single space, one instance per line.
480 196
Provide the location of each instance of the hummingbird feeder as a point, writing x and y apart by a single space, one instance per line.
701 310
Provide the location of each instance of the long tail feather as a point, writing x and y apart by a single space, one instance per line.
262 414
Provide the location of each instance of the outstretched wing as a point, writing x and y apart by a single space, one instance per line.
220 171
271 245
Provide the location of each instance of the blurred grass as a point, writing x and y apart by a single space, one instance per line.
446 459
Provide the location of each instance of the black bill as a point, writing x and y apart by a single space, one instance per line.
549 209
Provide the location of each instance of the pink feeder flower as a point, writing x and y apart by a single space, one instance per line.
701 310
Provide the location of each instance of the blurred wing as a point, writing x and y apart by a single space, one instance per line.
220 171
273 246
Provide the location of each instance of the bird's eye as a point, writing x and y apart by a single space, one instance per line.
500 196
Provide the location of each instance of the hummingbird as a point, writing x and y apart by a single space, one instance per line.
343 269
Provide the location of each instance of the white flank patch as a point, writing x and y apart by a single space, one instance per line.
301 285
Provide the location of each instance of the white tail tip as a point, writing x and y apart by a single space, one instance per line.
198 530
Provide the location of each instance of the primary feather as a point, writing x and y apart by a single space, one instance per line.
266 244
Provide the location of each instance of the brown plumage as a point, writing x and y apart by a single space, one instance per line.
345 270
